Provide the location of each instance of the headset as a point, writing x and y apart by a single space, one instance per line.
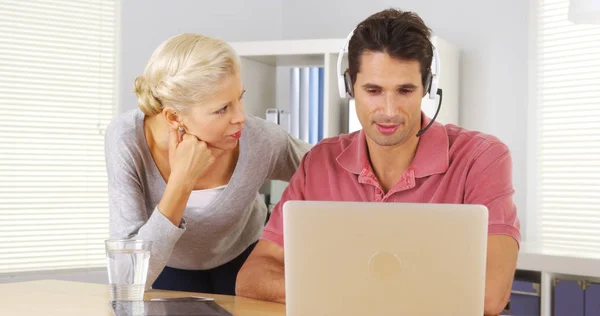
432 89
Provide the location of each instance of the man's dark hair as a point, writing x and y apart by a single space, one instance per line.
402 35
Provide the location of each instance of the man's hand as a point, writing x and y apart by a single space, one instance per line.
262 275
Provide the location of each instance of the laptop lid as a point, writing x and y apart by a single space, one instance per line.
361 258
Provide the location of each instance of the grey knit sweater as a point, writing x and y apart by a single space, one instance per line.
206 237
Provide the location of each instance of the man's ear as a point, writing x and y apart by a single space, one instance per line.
172 117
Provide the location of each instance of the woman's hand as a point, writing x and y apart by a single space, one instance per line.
189 158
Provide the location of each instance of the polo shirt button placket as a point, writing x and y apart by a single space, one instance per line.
378 194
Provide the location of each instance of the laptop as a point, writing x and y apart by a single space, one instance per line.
361 258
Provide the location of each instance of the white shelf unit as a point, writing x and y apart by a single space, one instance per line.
267 87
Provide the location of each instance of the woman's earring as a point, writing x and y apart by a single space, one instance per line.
181 129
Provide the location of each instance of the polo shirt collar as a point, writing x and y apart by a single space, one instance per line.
431 156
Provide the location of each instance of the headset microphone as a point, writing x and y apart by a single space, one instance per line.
439 92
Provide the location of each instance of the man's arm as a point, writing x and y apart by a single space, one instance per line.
490 183
501 265
262 275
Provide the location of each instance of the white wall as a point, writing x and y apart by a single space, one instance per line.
493 37
147 23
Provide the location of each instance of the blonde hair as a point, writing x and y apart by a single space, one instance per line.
183 71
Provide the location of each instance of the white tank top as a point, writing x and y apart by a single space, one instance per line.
201 199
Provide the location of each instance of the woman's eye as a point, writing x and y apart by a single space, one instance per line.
222 110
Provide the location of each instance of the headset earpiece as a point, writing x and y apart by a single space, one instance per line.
344 84
348 82
428 83
435 75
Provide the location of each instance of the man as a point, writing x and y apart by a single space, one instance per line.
389 65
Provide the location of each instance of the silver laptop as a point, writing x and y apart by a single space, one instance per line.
360 258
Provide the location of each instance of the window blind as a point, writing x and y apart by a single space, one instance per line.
568 129
57 94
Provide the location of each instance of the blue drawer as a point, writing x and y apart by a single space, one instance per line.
592 300
524 299
569 299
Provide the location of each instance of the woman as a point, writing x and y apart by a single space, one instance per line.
185 168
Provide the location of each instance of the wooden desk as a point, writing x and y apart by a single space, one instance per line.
62 298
